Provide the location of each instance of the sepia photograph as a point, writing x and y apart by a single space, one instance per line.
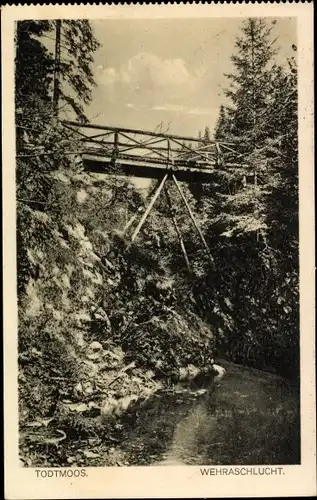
157 243
157 230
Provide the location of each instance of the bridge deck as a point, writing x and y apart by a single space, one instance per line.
143 169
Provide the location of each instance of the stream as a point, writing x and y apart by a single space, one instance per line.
250 417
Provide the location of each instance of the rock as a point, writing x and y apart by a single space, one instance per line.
188 372
182 373
193 371
220 372
108 407
78 390
200 392
91 409
94 351
93 356
90 454
88 388
79 338
95 346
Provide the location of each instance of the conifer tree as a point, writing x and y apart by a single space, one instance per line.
35 66
41 140
257 199
250 83
245 123
221 131
78 47
207 135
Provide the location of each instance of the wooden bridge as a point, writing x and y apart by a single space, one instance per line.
148 154
153 155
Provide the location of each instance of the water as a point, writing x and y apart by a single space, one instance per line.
249 418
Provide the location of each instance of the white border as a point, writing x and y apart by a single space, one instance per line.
171 482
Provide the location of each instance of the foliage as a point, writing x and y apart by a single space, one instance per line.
257 209
36 65
77 47
85 287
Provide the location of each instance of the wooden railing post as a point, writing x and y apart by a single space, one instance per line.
115 151
168 152
219 155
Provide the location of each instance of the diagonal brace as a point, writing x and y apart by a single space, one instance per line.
149 208
194 220
179 235
130 222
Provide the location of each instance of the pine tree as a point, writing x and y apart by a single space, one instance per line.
35 67
77 49
38 131
250 83
206 135
245 123
221 131
257 200
41 140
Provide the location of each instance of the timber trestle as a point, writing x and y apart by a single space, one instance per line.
153 155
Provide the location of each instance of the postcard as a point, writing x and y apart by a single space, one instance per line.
158 240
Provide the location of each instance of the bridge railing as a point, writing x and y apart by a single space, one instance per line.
122 144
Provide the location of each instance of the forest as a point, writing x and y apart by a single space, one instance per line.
104 323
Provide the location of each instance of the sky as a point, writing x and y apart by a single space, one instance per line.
168 74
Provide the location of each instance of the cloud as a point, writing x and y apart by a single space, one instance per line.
107 76
183 109
201 111
148 71
168 107
156 88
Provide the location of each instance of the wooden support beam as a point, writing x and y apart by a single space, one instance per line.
132 219
85 137
194 220
97 136
144 168
224 145
148 142
149 208
177 230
